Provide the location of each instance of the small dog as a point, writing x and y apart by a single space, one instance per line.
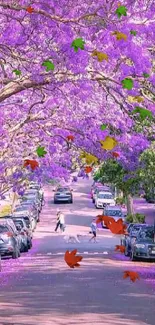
72 238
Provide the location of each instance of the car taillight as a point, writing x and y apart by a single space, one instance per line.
9 234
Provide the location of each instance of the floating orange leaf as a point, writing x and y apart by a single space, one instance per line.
100 56
115 154
101 218
109 143
33 163
88 169
117 227
120 248
132 275
70 137
71 259
29 9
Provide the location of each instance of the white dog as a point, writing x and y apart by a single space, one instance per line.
72 238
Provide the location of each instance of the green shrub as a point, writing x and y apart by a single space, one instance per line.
135 218
120 200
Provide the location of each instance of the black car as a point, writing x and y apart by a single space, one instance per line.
8 242
128 239
63 194
144 245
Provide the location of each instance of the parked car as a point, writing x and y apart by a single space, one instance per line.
8 220
27 222
128 239
103 199
113 211
25 232
33 209
100 189
8 242
25 211
144 245
38 188
63 194
33 197
34 192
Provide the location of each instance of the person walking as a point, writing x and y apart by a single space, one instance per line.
93 230
62 221
58 221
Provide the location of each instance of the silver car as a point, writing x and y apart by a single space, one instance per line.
63 194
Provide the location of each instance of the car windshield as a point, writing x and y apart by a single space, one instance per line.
147 234
105 196
64 189
3 229
113 213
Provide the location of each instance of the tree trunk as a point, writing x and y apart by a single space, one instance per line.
130 208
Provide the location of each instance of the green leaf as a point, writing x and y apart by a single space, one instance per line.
121 11
78 43
48 64
127 83
103 127
146 75
17 72
143 112
41 151
133 32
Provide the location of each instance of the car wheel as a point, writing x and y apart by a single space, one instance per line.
38 220
16 253
126 253
55 202
26 248
132 257
93 200
71 201
29 244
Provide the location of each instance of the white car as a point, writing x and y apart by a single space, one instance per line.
100 189
103 199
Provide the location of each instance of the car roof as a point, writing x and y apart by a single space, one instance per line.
115 207
104 192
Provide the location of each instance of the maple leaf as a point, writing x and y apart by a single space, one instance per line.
133 32
29 9
116 227
78 43
41 151
146 75
121 11
127 83
72 260
103 127
88 169
120 248
120 36
105 219
132 275
115 154
48 64
143 112
17 72
33 163
100 56
133 99
109 143
70 137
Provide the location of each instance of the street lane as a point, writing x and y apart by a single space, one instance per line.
40 288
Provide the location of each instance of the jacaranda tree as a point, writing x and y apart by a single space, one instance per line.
75 76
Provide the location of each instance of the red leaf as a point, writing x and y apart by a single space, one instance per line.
29 9
33 163
70 137
132 275
88 169
116 227
120 248
115 154
71 259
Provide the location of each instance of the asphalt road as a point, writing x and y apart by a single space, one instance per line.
40 289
